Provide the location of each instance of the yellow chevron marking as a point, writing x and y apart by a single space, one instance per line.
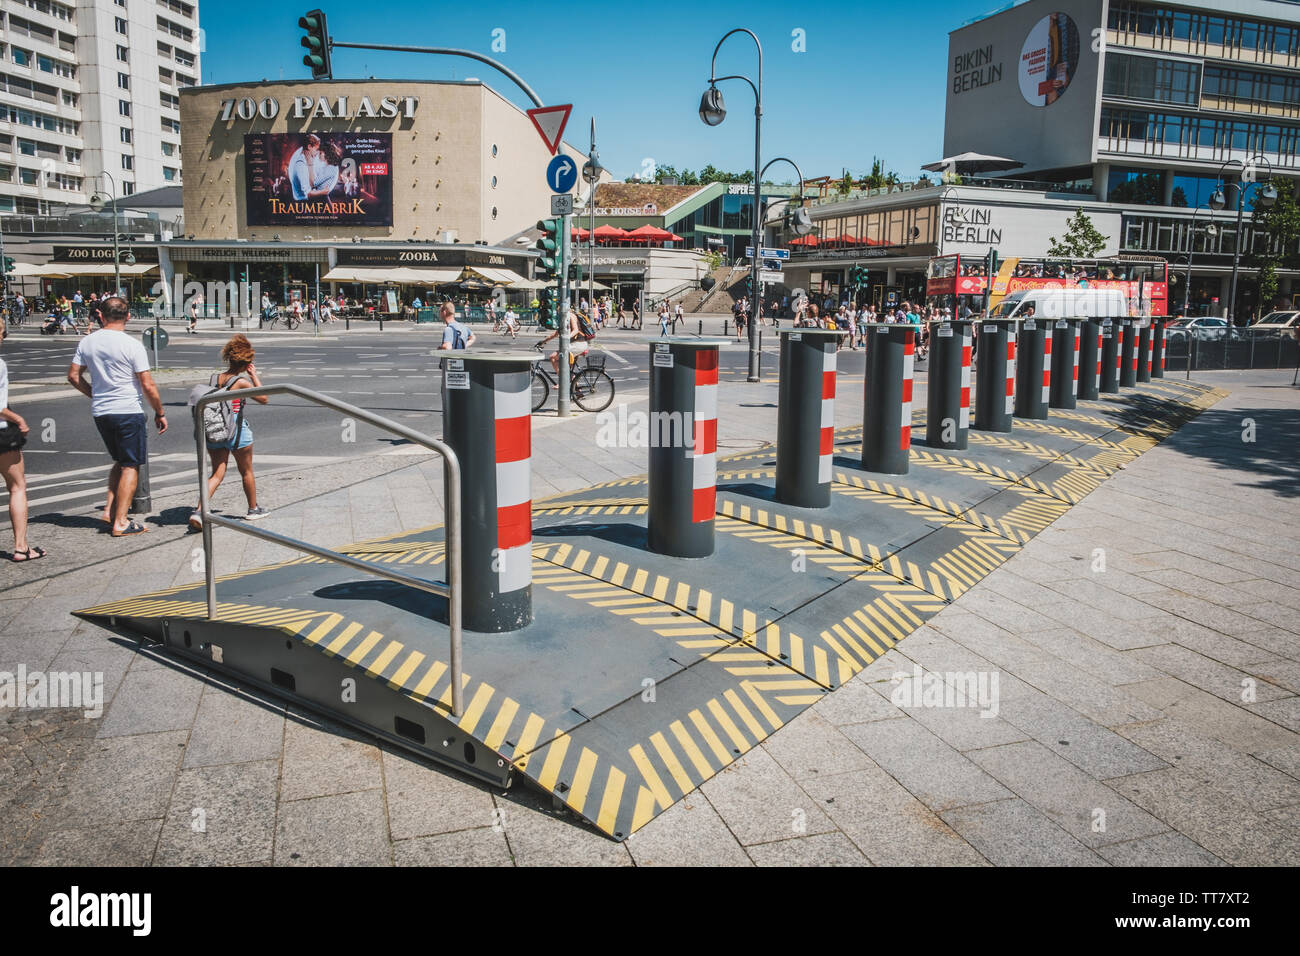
474 712
422 690
762 705
554 759
609 803
532 731
405 670
660 744
645 807
728 725
702 766
586 769
342 639
651 777
356 655
710 737
750 721
505 716
386 657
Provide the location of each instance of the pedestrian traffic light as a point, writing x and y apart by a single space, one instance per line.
550 264
575 272
317 42
545 309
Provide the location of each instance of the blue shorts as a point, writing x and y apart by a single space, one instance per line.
125 437
242 440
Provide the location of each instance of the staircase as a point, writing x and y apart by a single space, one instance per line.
697 299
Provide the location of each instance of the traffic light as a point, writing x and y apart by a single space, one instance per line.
545 309
9 264
317 42
992 262
550 264
575 273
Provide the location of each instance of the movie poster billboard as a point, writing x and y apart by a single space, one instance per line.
309 179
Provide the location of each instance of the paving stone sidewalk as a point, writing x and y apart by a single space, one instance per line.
1146 648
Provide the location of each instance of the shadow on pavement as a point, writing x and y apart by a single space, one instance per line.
1265 441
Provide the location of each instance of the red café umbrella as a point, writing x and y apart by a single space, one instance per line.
579 233
648 233
608 232
808 241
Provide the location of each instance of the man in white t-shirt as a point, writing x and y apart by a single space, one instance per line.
119 374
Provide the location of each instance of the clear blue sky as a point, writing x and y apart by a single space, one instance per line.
870 83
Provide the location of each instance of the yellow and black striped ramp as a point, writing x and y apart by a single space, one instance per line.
642 676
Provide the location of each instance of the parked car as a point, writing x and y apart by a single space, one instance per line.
1206 328
1277 322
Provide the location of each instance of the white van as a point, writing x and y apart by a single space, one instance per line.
1064 304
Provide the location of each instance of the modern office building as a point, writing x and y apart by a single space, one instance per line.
91 87
1136 112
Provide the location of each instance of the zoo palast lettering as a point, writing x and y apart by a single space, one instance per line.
321 107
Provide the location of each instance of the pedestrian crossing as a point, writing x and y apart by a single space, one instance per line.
83 488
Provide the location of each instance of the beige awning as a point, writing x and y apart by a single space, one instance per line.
419 276
33 270
528 284
392 275
70 269
496 276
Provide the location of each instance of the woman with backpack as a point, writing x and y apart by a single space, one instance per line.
230 421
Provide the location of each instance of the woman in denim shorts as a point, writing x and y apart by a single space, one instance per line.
240 373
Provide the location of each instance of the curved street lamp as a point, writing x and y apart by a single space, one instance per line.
1267 197
713 111
97 203
1210 230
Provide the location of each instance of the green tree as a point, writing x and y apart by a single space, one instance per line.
1081 239
846 185
1280 225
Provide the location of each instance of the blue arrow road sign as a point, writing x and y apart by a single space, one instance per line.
561 174
768 253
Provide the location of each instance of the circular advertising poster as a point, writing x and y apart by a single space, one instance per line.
1049 59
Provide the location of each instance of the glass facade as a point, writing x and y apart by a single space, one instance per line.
1201 136
1152 78
913 225
1158 22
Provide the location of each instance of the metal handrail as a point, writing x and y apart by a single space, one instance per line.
452 590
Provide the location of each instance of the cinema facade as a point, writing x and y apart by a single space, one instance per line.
375 189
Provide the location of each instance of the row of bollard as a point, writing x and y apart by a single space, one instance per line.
1025 368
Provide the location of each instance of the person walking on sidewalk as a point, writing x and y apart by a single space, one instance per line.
13 435
240 373
193 309
455 335
119 375
664 318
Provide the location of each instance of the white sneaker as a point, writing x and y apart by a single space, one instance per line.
255 513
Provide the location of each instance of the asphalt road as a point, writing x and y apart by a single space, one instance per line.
391 373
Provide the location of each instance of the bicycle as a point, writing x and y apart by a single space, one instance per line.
276 314
590 386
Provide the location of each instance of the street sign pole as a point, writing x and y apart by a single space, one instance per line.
562 284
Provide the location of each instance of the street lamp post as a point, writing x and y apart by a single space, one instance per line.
1210 230
712 112
1267 196
591 171
799 220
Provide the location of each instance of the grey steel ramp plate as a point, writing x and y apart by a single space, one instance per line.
642 676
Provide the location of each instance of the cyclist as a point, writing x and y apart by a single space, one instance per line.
577 342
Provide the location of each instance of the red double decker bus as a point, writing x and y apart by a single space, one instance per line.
959 280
